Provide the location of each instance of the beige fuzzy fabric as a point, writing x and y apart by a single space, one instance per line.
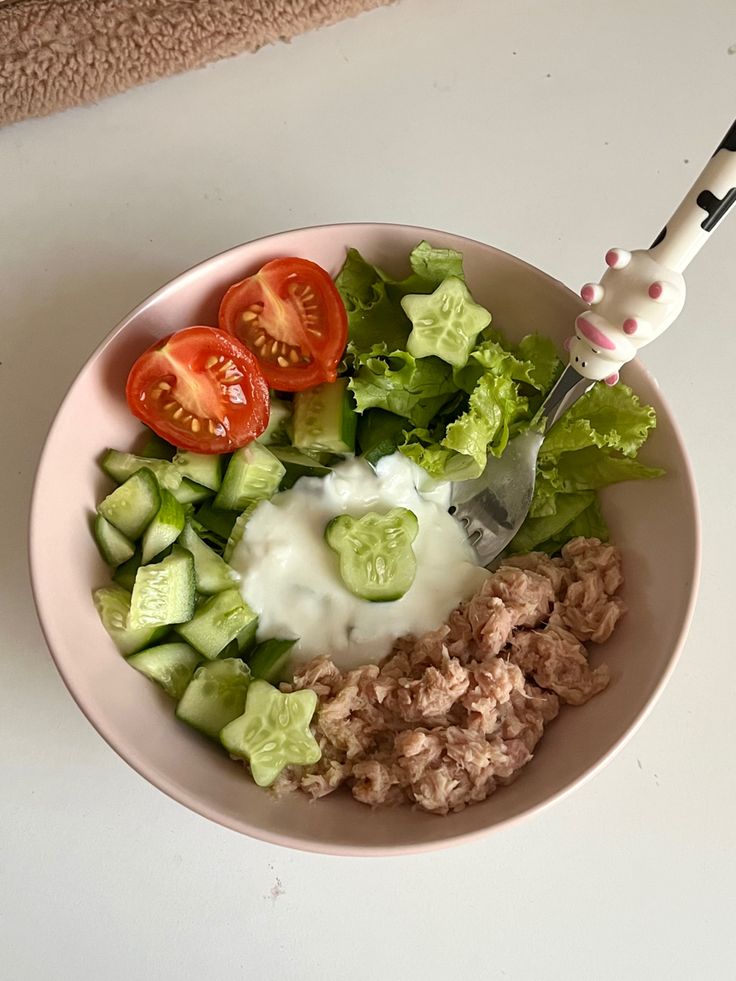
60 53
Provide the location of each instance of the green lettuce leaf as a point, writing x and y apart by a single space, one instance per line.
439 461
379 434
372 298
534 362
592 468
592 446
374 316
495 404
397 382
606 416
577 515
433 265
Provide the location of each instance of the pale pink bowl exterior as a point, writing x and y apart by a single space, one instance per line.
655 523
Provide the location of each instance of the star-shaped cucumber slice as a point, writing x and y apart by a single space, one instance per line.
273 732
445 323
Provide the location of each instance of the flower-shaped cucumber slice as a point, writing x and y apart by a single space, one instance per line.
377 561
445 323
273 732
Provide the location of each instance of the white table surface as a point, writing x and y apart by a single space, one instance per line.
553 130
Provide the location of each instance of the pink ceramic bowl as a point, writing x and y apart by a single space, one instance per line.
137 719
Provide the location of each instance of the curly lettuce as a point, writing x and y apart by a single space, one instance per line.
449 420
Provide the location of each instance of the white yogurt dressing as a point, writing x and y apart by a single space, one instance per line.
291 578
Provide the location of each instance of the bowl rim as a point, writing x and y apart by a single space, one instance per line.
160 780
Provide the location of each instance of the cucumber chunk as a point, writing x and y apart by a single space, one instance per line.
238 530
133 505
165 528
171 665
164 593
201 468
297 464
253 474
113 605
269 660
276 431
246 638
215 696
125 574
217 621
377 561
190 493
325 418
154 446
219 522
212 573
120 466
114 547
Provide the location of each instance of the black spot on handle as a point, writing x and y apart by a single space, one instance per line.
715 207
729 140
659 238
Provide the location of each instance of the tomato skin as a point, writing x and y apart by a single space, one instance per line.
291 317
201 390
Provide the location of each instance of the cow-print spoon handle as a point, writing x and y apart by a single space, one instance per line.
707 201
642 292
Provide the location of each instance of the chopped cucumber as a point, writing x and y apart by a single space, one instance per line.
297 464
164 593
217 621
133 505
268 661
201 468
190 493
171 665
325 418
238 529
219 522
275 431
125 574
164 529
253 474
119 466
113 606
215 696
377 561
114 547
247 637
212 573
156 447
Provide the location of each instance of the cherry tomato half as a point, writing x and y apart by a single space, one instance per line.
290 315
201 390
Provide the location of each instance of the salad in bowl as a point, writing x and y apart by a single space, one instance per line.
284 571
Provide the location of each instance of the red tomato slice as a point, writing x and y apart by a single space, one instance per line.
290 315
200 390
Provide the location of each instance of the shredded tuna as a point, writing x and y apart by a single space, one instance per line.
450 716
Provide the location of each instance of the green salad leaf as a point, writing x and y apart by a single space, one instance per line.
397 382
372 298
494 406
448 419
592 446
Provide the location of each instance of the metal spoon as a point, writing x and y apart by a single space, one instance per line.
638 297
